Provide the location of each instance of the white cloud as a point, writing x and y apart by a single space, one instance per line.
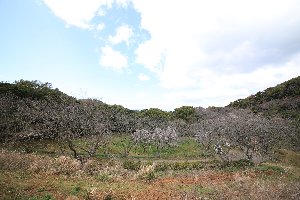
123 3
123 34
205 52
220 90
143 77
113 59
100 27
77 13
219 50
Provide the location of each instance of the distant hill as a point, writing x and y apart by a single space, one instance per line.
34 90
35 108
282 100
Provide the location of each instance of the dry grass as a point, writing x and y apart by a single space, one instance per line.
289 157
25 176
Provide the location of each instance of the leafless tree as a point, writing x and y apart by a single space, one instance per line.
160 138
252 133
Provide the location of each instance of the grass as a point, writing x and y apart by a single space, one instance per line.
237 165
289 157
182 172
270 168
187 148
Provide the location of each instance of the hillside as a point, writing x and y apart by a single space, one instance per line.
282 100
31 109
54 146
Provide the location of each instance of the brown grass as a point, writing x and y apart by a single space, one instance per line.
29 175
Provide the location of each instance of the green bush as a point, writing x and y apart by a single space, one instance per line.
131 165
265 168
179 166
75 190
161 166
238 165
242 163
149 176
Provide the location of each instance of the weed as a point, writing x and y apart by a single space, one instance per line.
163 166
75 190
103 177
199 190
237 165
109 197
41 189
132 165
266 168
289 157
147 173
66 165
47 197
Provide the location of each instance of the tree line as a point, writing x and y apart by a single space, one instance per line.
31 110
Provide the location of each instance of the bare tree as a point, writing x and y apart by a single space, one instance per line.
252 133
84 118
160 138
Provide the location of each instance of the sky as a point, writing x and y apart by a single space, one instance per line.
151 54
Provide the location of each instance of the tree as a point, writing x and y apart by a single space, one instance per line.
158 137
152 118
121 120
84 119
186 113
32 111
240 128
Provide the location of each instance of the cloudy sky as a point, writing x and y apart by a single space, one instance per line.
158 53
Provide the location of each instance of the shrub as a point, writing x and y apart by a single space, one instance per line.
266 168
66 165
103 177
238 165
146 172
132 165
75 190
162 166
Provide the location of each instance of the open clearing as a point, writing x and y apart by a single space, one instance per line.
44 174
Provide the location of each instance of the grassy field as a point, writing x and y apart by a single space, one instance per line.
38 171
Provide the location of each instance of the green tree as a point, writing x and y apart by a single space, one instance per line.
186 113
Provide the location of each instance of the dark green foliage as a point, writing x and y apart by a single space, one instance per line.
153 118
149 176
147 173
286 89
132 165
31 89
155 113
282 100
186 113
238 165
76 190
122 120
109 197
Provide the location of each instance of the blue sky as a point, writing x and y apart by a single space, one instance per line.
143 54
